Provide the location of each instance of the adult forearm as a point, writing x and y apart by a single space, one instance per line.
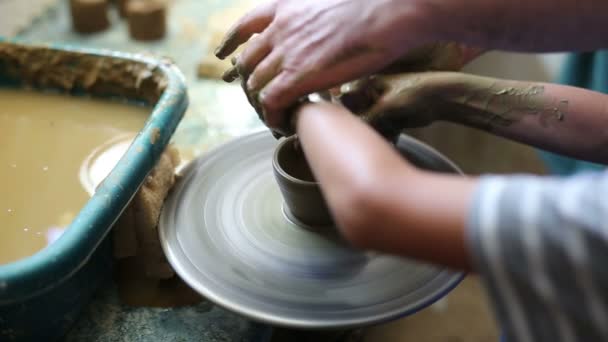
562 119
530 25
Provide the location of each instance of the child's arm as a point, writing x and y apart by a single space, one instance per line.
540 244
562 119
379 201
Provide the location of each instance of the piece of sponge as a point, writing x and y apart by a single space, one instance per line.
136 232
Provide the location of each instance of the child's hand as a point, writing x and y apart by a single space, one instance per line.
403 95
390 103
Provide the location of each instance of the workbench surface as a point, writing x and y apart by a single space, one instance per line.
217 112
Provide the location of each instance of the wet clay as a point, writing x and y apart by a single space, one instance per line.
136 232
89 16
46 139
147 19
295 164
143 275
302 196
391 103
218 23
72 71
488 104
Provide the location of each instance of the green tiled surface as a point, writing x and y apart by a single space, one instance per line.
216 113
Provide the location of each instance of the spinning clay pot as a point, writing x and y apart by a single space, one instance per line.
303 199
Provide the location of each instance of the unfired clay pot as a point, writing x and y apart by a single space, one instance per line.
303 200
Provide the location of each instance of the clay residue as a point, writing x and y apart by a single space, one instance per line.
212 67
136 233
38 66
143 275
216 27
502 104
155 135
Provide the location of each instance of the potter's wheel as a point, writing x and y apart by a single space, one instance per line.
225 233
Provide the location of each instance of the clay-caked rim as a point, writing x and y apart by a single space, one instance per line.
284 174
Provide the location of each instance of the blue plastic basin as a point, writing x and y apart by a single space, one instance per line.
42 295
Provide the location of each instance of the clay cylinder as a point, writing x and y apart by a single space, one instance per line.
89 16
302 197
147 19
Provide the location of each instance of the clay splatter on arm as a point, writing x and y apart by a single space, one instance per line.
504 103
557 118
562 119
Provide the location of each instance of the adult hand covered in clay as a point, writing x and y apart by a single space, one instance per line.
306 46
309 46
443 56
433 57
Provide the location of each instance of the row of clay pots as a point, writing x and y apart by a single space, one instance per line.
147 19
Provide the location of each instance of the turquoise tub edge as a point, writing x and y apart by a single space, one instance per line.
44 292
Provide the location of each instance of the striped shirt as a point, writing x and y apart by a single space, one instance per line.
540 245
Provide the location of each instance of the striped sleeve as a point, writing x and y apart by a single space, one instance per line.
541 248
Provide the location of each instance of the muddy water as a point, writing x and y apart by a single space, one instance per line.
54 150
